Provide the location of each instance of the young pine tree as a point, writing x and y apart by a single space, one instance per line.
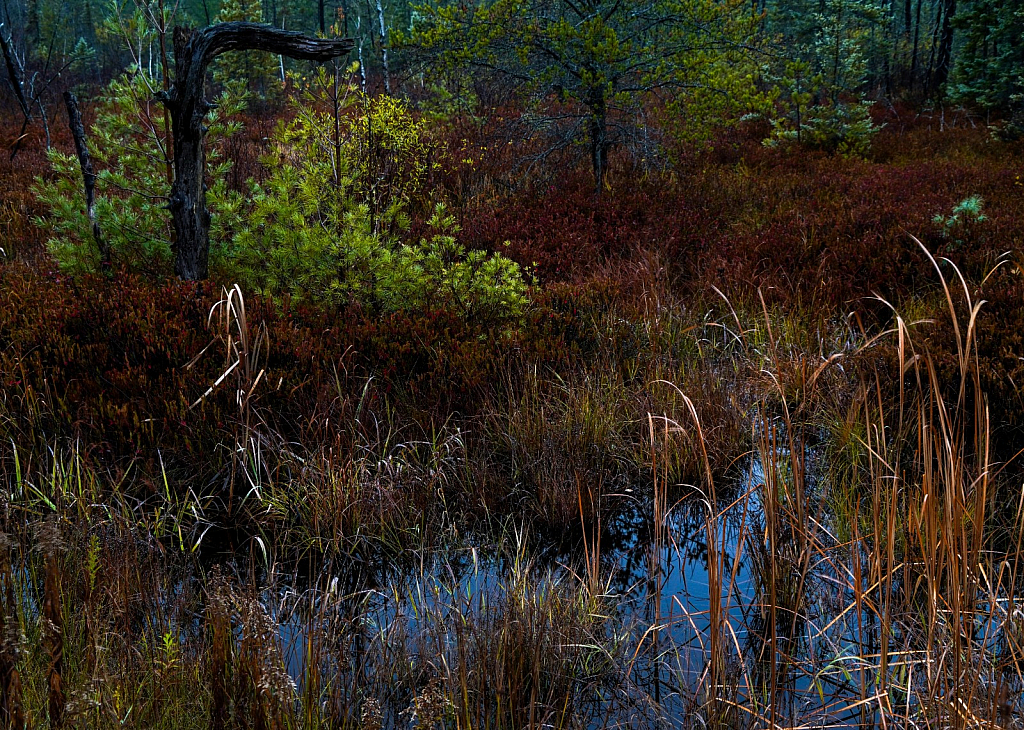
256 72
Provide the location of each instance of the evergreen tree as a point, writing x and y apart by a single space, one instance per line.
254 71
990 65
834 56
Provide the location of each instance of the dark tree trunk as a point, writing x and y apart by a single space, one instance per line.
913 55
193 52
599 143
929 84
945 57
88 175
16 74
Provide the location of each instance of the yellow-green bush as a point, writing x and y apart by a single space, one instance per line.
327 225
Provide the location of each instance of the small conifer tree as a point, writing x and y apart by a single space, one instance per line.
254 71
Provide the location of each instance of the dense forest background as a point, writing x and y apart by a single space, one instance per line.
634 69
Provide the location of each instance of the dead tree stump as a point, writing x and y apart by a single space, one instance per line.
187 104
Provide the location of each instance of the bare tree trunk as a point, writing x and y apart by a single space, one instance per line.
384 48
193 52
15 71
914 55
362 66
45 121
16 74
945 59
29 93
930 76
599 144
88 175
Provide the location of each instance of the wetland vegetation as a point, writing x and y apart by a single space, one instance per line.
506 403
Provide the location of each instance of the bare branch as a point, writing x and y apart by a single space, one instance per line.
88 175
